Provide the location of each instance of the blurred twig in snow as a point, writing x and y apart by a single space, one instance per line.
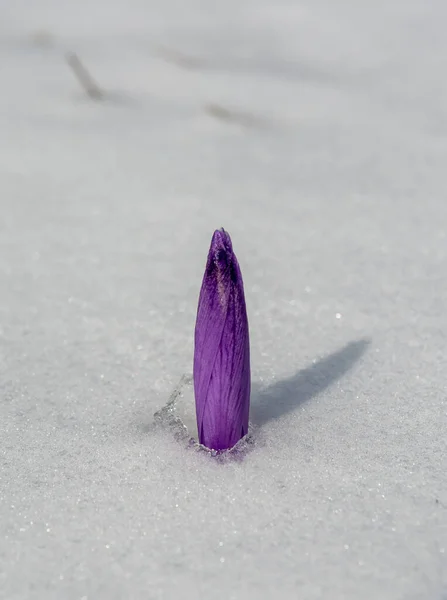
42 38
241 118
83 76
178 58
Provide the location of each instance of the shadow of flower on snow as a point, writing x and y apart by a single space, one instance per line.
267 404
288 394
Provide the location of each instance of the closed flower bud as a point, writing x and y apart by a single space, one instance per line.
222 350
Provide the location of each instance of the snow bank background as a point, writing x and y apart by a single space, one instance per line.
315 132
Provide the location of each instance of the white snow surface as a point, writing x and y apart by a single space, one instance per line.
315 132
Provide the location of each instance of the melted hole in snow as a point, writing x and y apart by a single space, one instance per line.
179 416
184 407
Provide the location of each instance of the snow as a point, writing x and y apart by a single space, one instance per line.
315 132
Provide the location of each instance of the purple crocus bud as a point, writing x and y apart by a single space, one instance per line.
222 350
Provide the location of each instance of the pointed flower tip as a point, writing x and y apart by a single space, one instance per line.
221 238
222 353
221 248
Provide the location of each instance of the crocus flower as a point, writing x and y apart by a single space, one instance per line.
222 350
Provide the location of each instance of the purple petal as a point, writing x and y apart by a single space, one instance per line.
222 350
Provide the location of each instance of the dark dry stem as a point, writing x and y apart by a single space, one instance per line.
83 76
